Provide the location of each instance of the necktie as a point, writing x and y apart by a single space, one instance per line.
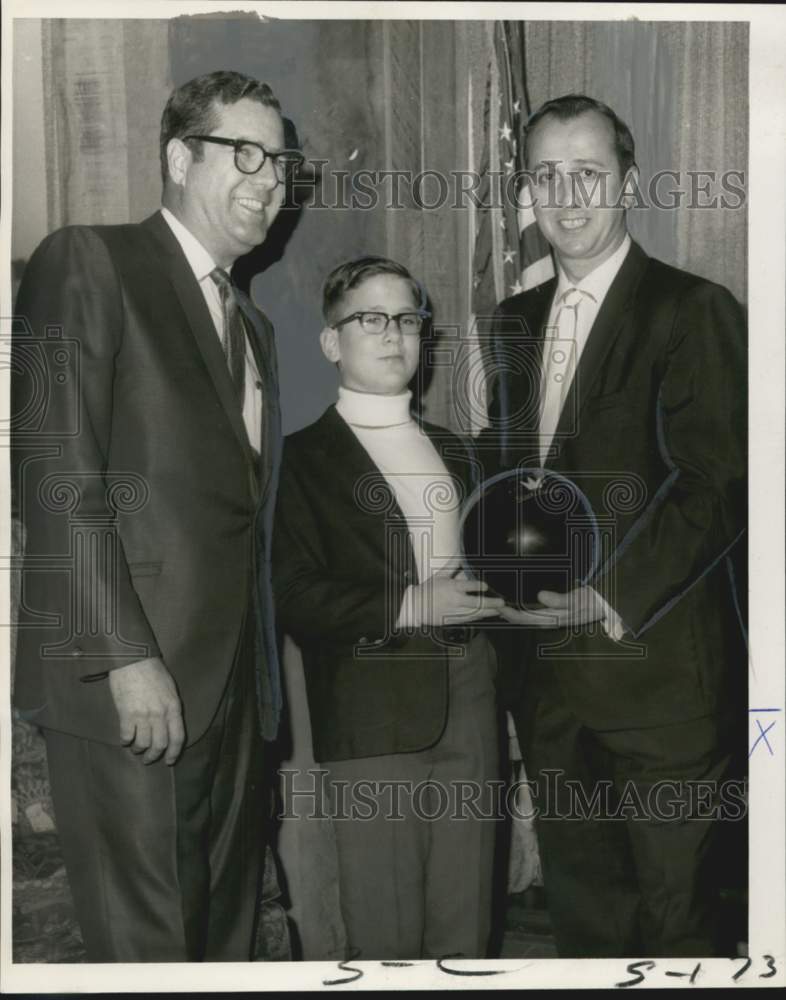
559 362
233 340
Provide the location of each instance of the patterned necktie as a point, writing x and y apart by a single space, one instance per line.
559 362
233 339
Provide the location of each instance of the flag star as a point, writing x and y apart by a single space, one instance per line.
503 224
508 257
509 166
515 289
505 132
517 106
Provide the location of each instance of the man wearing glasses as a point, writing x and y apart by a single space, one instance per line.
400 683
144 665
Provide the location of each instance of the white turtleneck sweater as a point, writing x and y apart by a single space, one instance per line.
423 487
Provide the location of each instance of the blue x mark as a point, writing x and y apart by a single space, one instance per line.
763 736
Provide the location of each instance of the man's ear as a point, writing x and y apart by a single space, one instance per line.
328 341
178 158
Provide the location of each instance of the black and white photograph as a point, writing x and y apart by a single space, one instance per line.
392 509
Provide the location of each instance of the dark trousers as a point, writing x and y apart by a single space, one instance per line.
164 862
415 865
629 872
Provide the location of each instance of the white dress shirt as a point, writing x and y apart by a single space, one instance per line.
201 263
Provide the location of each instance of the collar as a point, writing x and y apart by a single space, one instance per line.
199 260
368 409
599 281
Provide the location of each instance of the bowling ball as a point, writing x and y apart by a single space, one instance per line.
529 530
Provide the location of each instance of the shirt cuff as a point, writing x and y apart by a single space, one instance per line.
612 624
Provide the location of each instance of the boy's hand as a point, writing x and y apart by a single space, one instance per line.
448 597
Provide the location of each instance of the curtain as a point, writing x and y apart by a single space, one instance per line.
101 78
713 90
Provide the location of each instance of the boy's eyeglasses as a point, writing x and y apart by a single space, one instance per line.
375 323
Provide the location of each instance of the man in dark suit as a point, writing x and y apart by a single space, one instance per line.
145 480
628 377
400 685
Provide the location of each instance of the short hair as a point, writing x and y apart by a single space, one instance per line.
571 106
192 108
353 273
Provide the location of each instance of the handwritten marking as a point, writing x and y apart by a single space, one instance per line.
770 966
741 972
349 979
762 732
465 972
683 975
762 736
635 969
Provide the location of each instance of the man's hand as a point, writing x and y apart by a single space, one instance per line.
151 716
576 607
448 598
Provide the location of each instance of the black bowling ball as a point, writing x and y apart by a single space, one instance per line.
528 530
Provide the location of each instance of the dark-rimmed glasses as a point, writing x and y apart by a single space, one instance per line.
375 323
250 156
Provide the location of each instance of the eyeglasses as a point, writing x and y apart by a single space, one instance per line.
409 323
250 157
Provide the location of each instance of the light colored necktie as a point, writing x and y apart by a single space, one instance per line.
559 362
233 340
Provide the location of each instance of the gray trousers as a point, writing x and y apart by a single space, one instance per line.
164 862
416 846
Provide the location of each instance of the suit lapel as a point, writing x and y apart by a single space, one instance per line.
343 448
201 325
614 314
519 375
346 456
541 308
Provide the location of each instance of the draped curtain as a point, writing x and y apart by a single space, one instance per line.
101 78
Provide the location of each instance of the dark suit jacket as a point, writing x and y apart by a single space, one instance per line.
342 560
147 513
654 432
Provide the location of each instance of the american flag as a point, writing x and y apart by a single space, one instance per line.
510 254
